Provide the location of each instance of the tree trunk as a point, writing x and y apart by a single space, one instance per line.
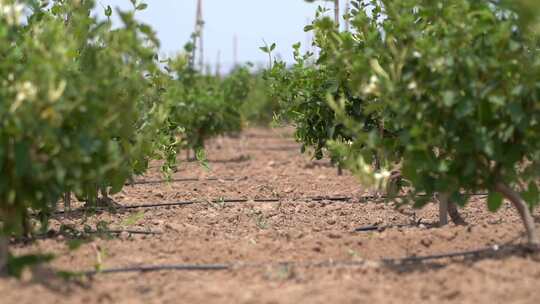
454 214
67 203
443 208
523 210
4 253
104 194
26 224
447 207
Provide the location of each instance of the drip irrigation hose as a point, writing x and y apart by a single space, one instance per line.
245 200
370 228
143 232
508 249
43 236
331 199
277 148
180 180
379 228
276 136
179 267
470 253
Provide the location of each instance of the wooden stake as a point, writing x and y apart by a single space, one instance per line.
200 24
336 13
235 50
347 19
218 64
198 38
308 41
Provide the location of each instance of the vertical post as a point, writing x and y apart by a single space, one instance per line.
308 41
347 19
336 13
200 27
198 38
218 64
235 50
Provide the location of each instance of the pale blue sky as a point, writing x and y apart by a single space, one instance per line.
279 21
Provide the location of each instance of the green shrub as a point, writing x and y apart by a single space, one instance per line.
457 83
446 93
80 106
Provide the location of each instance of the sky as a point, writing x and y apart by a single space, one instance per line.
252 21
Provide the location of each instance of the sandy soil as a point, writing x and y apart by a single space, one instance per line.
295 250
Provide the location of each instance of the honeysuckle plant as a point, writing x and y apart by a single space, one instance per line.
456 84
80 107
303 90
205 106
84 107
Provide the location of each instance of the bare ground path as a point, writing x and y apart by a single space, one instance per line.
327 261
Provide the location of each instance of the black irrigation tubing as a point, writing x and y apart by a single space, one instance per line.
509 249
233 200
327 198
378 228
273 136
371 228
178 267
114 231
245 200
178 204
180 180
143 232
375 198
277 148
119 231
464 254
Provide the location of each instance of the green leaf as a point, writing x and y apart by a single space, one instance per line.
494 201
497 100
132 219
16 265
108 11
141 6
76 244
200 154
421 201
56 9
449 98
